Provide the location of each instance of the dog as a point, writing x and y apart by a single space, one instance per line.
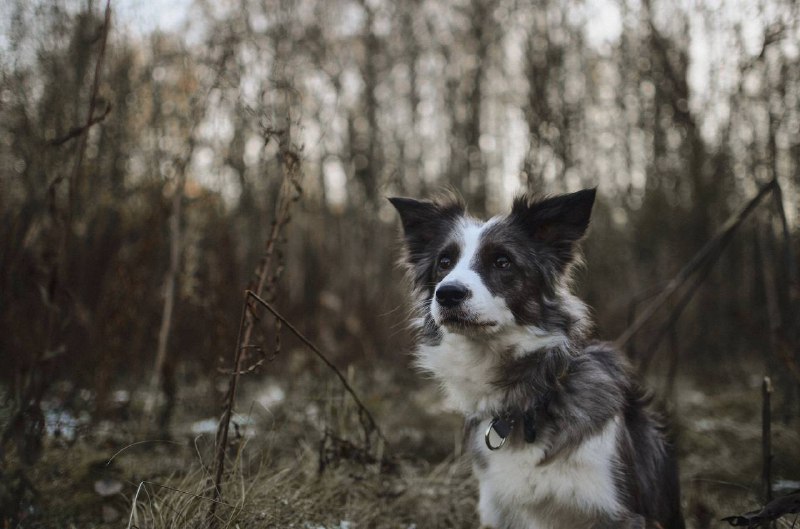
560 435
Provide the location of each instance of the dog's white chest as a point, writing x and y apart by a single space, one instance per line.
581 483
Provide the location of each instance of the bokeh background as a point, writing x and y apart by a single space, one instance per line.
156 162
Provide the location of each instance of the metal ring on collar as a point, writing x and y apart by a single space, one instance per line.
487 437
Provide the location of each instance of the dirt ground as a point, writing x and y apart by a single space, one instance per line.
282 474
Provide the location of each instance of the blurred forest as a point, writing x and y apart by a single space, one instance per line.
147 177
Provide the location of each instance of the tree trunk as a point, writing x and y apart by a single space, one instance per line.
163 372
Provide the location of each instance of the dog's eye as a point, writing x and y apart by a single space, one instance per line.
445 263
502 262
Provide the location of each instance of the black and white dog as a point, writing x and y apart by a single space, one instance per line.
559 433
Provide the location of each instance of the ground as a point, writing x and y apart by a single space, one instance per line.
283 475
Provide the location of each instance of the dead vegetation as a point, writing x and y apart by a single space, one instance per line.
274 477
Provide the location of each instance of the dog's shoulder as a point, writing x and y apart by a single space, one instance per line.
599 373
608 356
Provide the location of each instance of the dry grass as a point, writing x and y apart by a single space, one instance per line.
347 496
274 479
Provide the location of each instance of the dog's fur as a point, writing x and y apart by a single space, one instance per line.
518 342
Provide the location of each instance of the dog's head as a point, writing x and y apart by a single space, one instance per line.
479 277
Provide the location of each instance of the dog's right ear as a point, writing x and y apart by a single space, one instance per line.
424 223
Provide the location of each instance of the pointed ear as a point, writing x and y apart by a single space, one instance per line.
557 221
413 213
425 222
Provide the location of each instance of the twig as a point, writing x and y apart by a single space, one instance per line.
715 244
675 314
634 303
74 132
722 482
118 452
766 440
224 427
83 138
308 343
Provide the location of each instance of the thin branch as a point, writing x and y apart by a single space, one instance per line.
634 303
714 245
308 343
74 132
225 421
124 448
675 314
83 138
766 440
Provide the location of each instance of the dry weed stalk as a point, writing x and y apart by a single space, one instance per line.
266 277
702 261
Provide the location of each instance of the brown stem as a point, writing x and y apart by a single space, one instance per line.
222 432
74 132
709 251
308 343
83 139
766 440
290 168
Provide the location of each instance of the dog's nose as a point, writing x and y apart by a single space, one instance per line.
451 294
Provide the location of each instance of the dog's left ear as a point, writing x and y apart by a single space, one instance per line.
557 221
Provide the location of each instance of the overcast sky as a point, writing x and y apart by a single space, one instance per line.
143 16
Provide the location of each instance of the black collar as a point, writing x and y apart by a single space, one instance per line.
503 423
